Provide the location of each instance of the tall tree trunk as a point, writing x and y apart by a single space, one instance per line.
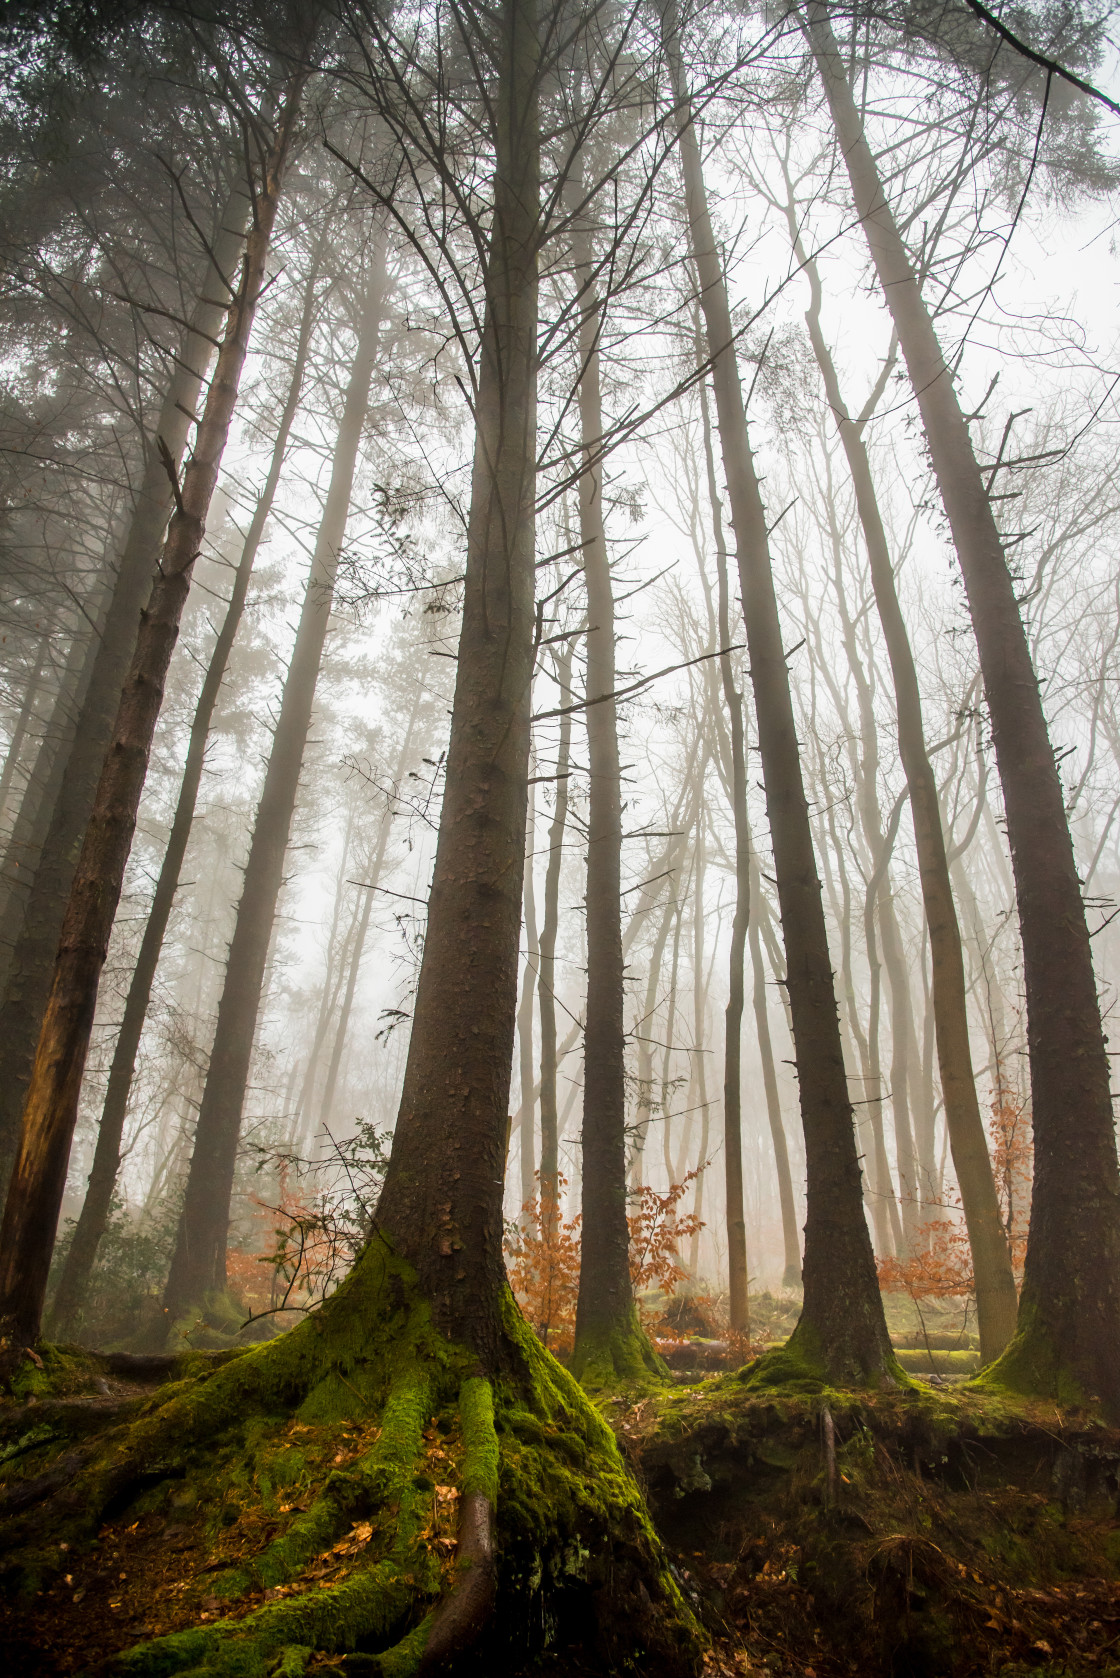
645 1043
1070 1310
51 1109
546 974
737 1292
373 876
337 952
609 1342
198 1265
441 1206
66 1308
31 974
842 1330
24 717
791 1246
45 777
996 1301
526 1127
699 1080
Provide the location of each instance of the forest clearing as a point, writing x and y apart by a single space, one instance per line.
559 847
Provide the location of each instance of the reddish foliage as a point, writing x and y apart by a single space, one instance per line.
292 1260
542 1257
940 1267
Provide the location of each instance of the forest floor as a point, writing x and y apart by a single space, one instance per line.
928 1534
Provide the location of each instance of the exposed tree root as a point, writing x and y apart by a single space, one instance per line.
366 1558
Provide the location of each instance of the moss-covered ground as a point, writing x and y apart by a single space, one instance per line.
327 1501
298 1508
908 1534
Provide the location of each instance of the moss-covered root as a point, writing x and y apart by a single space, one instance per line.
372 1603
619 1356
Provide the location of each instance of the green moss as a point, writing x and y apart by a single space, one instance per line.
619 1357
943 1363
569 1511
1032 1368
482 1452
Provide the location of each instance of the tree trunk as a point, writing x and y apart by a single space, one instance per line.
40 795
737 1290
546 976
66 1308
32 969
526 1115
842 1331
374 872
791 1246
609 1342
1070 1309
996 1301
51 1110
24 716
198 1266
441 1206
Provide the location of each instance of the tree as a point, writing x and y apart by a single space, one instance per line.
50 1111
198 1265
842 1330
609 1341
1069 1313
25 998
81 1255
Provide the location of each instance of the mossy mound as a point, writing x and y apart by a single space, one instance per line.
935 1534
356 1492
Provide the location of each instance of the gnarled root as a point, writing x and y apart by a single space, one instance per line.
365 1553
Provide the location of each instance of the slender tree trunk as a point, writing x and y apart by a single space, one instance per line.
441 1206
842 1330
45 778
30 977
791 1273
738 1307
700 1073
645 1043
198 1266
334 968
996 1302
526 1127
51 1109
1070 1311
66 1309
374 875
546 976
609 1342
24 717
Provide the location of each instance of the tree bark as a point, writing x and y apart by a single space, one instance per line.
738 1307
546 975
31 974
1069 1320
608 1339
198 1265
996 1300
842 1330
441 1206
24 716
791 1246
51 1110
526 1113
69 1299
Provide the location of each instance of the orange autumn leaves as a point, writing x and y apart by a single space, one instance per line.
542 1256
940 1263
